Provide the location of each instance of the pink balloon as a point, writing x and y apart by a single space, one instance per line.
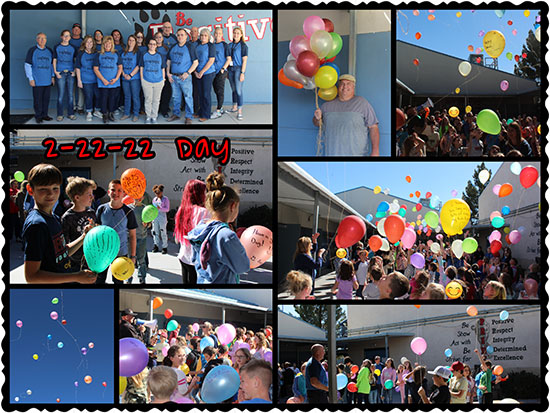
312 24
478 50
196 327
258 243
418 261
268 356
53 315
514 32
298 45
495 235
173 342
408 238
226 333
165 351
504 85
439 237
496 189
494 214
418 345
530 286
19 323
514 236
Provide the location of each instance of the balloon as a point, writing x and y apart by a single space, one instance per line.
435 248
515 236
157 302
431 219
526 13
122 268
488 122
453 290
133 356
509 55
55 300
341 253
385 245
456 247
453 112
375 242
369 217
101 246
122 383
165 351
454 216
76 384
149 213
469 245
299 44
418 260
311 25
329 25
35 356
58 400
336 45
64 322
220 384
341 381
19 176
505 190
350 230
464 68
494 43
168 313
417 193
448 352
504 315
258 244
16 399
91 345
88 379
537 34
133 182
400 119
408 238
268 356
500 13
84 350
172 325
515 168
454 193
29 392
307 63
497 222
402 212
53 315
127 200
457 91
496 189
498 370
431 17
504 85
19 323
291 72
530 286
418 345
505 210
439 236
388 384
458 13
60 344
226 333
416 62
206 342
496 245
394 226
196 327
352 387
516 58
472 311
383 206
328 94
418 35
185 368
528 176
380 227
326 77
354 369
416 12
506 230
104 384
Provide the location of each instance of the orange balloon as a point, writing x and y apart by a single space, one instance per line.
431 17
498 370
416 62
470 48
258 244
127 200
354 369
408 179
168 313
417 305
88 379
472 311
411 194
505 190
288 82
417 193
394 226
375 242
133 182
157 302
57 400
418 35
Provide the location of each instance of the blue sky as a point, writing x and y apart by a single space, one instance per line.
90 316
452 35
439 178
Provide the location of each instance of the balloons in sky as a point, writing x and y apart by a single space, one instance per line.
54 315
494 43
19 323
88 379
464 68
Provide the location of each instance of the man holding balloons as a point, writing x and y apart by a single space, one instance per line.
350 125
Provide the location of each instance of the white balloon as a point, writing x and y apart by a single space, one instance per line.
515 168
394 208
29 392
456 246
386 191
290 57
537 34
435 248
380 227
464 68
484 176
17 399
385 245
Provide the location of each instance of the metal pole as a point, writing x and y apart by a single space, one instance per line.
83 19
265 319
223 315
352 58
386 345
331 327
114 165
316 213
150 306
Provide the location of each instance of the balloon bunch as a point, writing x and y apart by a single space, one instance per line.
310 62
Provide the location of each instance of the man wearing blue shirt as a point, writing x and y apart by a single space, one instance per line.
181 63
316 376
39 71
169 38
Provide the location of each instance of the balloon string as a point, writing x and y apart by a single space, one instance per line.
405 32
75 342
18 338
319 132
75 395
517 209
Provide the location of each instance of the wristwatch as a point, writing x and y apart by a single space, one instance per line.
132 257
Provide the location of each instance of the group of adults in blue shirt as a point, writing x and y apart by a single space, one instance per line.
143 75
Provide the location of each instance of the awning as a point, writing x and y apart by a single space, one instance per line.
372 336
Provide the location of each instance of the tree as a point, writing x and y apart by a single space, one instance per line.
530 66
317 314
474 190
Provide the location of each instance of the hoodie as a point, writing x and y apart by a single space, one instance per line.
224 257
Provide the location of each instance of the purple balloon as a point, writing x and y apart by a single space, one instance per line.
504 85
454 193
417 260
133 357
75 384
84 350
268 356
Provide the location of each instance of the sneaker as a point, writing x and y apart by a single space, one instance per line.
153 120
89 117
72 117
188 121
97 114
216 115
165 250
117 112
172 118
156 249
47 118
105 118
147 121
135 119
240 116
125 117
166 115
59 118
222 111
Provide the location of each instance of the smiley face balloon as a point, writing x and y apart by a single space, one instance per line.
453 290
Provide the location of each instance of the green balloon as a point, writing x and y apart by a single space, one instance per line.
19 176
488 122
509 121
172 325
388 384
402 212
101 246
431 219
55 300
509 56
498 222
149 213
469 245
336 45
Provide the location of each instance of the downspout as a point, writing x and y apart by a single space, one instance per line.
352 58
83 24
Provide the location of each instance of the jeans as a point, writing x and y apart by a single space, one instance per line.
65 84
159 231
219 87
107 97
363 398
131 96
152 92
188 273
41 101
141 258
182 87
196 98
91 91
388 396
205 91
236 85
373 395
165 98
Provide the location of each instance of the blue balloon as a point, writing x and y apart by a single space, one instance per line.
500 13
220 384
341 381
49 336
490 350
383 207
60 344
505 210
369 217
333 66
448 352
206 342
504 315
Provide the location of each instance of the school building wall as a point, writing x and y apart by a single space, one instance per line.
257 26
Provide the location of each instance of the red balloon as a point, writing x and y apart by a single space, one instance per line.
496 245
168 313
354 369
418 207
416 62
507 239
524 55
329 25
64 322
478 60
528 176
352 387
418 35
510 22
399 119
307 63
289 82
417 193
127 200
428 194
104 384
350 230
394 226
530 286
516 57
375 242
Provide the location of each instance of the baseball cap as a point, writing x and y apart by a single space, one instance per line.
77 25
347 77
457 366
441 371
164 334
129 311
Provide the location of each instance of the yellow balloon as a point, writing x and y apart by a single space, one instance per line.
185 368
458 13
494 43
377 189
341 253
453 112
122 382
328 94
507 230
454 216
468 109
457 90
122 268
526 13
326 77
377 372
35 356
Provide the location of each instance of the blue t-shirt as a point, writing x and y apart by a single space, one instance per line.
119 48
222 53
315 369
163 51
76 43
256 400
85 62
108 63
129 62
41 61
44 241
121 220
65 57
142 49
181 58
169 41
152 67
237 52
205 52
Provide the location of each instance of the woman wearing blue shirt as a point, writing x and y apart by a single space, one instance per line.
239 57
131 84
98 37
63 67
86 78
108 68
223 59
205 72
153 74
166 94
119 47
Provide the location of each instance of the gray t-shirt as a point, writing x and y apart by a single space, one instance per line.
346 127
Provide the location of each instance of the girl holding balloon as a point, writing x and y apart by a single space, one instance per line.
388 378
364 382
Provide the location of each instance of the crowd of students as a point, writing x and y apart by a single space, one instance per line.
148 74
